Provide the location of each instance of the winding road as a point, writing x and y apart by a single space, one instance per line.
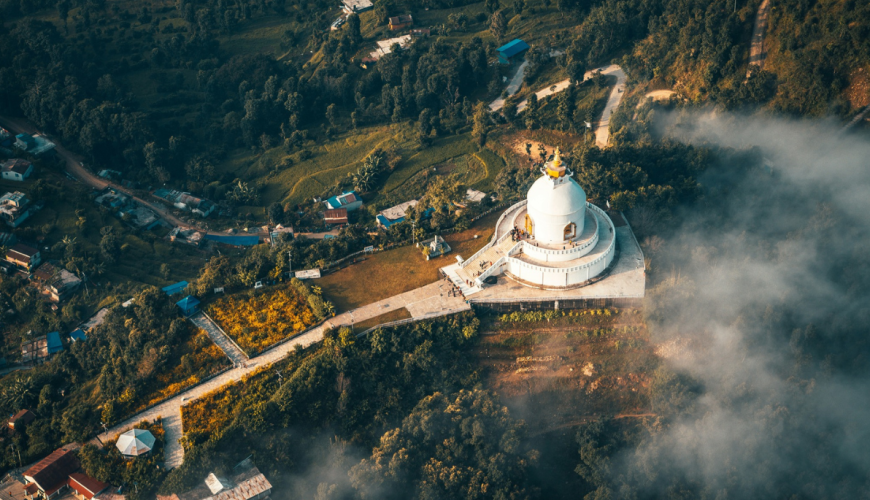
74 167
602 128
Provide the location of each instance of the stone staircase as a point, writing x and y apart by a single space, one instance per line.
483 261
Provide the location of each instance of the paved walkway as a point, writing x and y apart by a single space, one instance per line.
427 301
220 338
512 88
602 130
757 51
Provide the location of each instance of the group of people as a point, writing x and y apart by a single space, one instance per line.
518 234
454 290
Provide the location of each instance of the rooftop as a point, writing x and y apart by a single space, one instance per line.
95 320
398 211
53 470
357 5
23 250
16 165
386 46
188 302
402 19
86 486
175 288
513 47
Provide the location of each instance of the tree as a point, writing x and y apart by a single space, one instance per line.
519 6
165 271
331 114
443 191
109 246
481 120
498 26
531 114
462 446
276 213
509 110
353 28
563 109
491 6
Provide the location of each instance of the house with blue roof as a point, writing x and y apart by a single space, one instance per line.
54 343
348 200
36 145
510 49
176 288
78 335
188 305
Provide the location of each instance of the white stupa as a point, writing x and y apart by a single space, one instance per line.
556 209
554 239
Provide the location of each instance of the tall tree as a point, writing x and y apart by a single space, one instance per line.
481 120
498 26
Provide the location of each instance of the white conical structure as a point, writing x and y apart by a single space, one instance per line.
135 442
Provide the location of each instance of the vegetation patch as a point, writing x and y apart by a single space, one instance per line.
193 361
259 318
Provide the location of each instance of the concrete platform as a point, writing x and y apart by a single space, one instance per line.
626 280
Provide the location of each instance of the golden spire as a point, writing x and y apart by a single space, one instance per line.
555 168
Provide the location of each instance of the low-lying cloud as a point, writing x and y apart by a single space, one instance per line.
768 277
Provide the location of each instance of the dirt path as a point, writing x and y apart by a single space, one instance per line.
602 131
512 88
757 51
657 95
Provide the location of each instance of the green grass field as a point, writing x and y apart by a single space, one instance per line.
440 151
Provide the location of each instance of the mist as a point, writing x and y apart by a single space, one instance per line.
765 281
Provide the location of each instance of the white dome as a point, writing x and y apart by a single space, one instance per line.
563 198
556 211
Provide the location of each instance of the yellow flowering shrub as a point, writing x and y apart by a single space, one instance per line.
258 320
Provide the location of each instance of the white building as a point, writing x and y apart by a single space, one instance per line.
386 46
356 6
16 169
553 240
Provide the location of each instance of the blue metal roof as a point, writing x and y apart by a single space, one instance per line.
78 334
188 303
387 223
53 342
513 48
176 288
237 241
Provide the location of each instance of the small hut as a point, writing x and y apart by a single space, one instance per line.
135 442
